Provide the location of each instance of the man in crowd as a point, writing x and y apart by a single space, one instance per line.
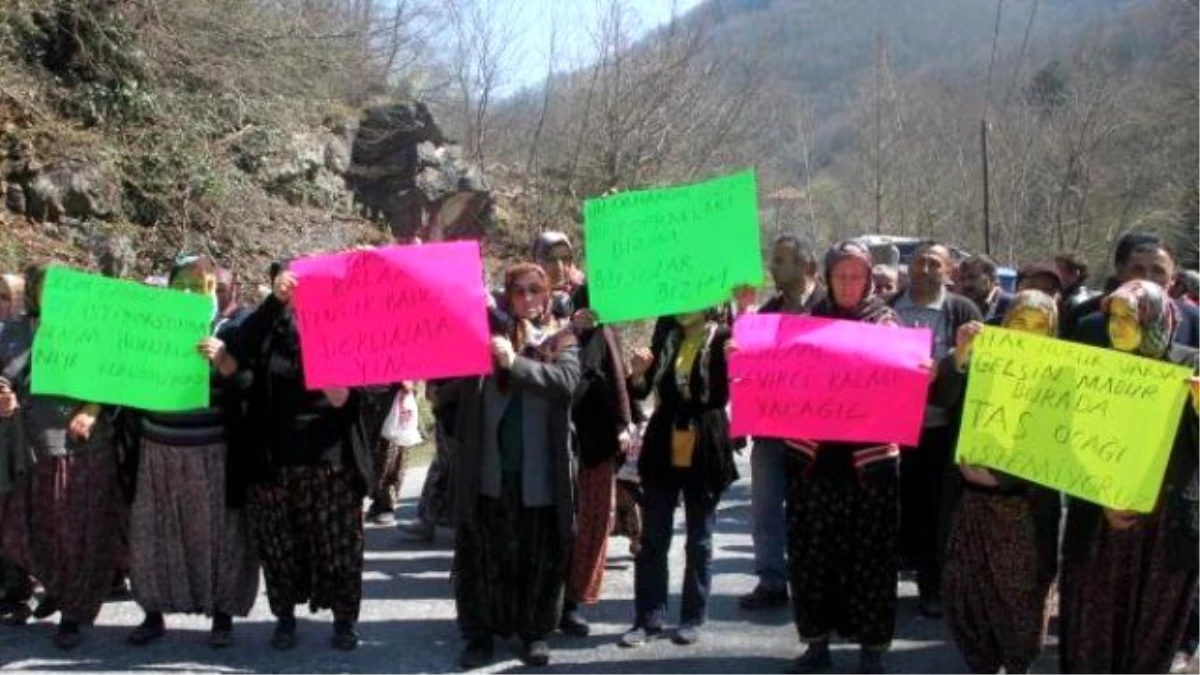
794 269
979 281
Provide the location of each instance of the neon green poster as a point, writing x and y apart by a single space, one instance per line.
118 342
672 250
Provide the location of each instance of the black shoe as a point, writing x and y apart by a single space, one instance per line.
221 635
68 635
763 598
345 638
687 634
46 608
418 530
15 613
285 634
815 659
930 607
536 654
151 629
119 592
871 661
639 635
573 623
477 654
380 513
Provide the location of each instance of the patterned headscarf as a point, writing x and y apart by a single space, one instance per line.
1035 300
1156 314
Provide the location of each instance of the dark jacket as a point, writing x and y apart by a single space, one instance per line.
556 381
775 304
601 409
1178 498
269 333
713 468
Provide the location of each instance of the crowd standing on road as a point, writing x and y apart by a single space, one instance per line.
568 442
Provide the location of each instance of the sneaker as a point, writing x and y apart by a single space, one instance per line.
418 530
284 637
68 635
477 654
763 598
638 636
345 638
687 634
152 628
536 654
815 659
573 623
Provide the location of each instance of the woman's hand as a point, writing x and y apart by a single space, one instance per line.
640 362
931 367
285 286
337 395
584 320
977 475
1119 519
963 342
83 422
212 349
8 401
731 346
503 352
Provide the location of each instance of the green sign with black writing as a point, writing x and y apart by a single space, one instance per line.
672 250
118 342
1094 423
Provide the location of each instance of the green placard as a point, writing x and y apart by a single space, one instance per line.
118 342
1094 423
672 250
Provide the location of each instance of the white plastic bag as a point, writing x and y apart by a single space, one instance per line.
402 425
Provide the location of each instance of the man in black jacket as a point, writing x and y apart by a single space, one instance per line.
925 470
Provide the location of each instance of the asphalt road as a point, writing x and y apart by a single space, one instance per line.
407 623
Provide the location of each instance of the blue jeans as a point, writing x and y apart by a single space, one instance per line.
651 575
768 512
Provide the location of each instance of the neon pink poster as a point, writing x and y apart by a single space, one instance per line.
396 313
828 380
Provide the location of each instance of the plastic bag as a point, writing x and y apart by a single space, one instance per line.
402 425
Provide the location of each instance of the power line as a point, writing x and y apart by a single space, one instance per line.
1021 54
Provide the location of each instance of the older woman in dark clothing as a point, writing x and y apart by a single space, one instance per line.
1128 579
842 507
1002 550
72 498
309 472
513 473
686 449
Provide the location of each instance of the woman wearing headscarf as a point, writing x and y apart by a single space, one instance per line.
309 468
601 414
842 507
1128 579
513 474
189 538
1002 549
16 587
73 496
686 450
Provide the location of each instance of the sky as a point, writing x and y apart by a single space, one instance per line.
534 20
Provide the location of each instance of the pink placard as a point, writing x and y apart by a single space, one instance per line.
389 314
828 380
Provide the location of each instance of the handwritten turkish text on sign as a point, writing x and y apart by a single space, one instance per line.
389 314
672 250
1094 423
828 380
118 342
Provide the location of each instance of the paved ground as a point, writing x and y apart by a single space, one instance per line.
408 624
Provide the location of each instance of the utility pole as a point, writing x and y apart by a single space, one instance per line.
987 201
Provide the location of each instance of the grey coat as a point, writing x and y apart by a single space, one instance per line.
554 382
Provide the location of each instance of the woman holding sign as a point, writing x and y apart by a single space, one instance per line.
73 492
1128 578
1001 553
842 503
512 476
189 539
686 449
308 469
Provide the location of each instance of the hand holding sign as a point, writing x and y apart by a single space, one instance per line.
285 285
